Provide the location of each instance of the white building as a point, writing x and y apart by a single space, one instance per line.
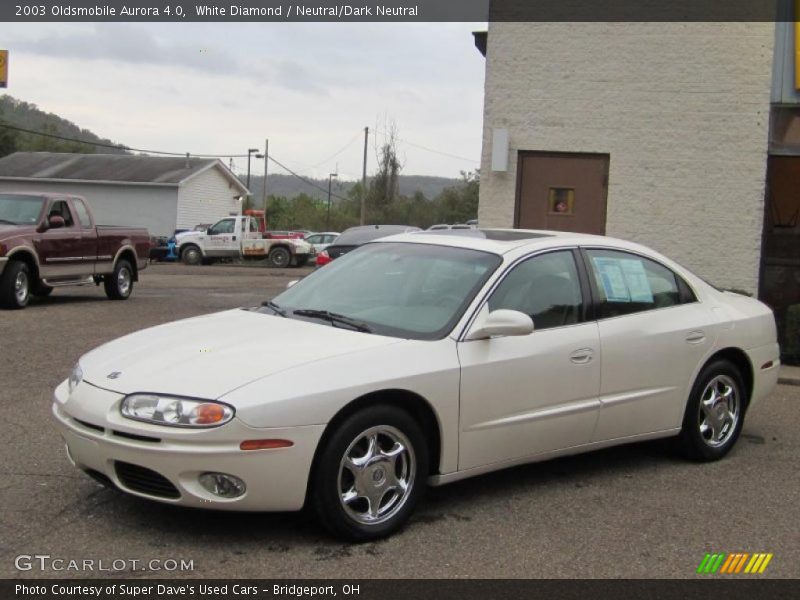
161 194
661 133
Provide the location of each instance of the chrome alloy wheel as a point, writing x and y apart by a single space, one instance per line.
376 475
21 287
124 282
719 412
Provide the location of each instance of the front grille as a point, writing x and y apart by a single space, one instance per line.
145 481
138 438
90 426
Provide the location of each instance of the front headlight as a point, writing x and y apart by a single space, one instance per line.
174 411
75 377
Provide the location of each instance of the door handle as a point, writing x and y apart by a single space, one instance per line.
582 356
696 337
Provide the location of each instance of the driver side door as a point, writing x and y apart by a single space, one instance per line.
223 239
532 394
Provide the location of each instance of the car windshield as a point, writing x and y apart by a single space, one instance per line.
414 291
16 209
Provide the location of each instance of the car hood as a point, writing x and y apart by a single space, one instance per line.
10 231
186 235
206 357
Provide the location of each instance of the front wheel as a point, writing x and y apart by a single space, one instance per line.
15 285
715 412
370 474
191 255
119 284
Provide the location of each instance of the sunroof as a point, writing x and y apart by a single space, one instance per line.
500 235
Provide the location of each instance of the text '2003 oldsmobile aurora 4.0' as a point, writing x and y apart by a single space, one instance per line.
420 358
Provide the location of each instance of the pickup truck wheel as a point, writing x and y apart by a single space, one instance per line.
279 257
301 261
119 284
15 285
191 255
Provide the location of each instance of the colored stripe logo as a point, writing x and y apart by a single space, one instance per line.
735 563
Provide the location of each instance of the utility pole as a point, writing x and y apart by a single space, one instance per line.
328 220
364 180
266 168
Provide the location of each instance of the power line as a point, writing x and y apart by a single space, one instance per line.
421 147
338 152
127 148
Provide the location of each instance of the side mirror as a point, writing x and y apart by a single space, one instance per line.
291 283
500 323
55 222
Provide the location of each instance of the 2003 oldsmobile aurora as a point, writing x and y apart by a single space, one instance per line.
420 358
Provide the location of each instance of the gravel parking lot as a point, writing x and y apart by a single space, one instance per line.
635 512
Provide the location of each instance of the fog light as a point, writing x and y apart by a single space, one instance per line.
220 484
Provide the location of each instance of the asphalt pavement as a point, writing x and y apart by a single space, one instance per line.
638 511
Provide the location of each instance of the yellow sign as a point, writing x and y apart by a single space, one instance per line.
4 68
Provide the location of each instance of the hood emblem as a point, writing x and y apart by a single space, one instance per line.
114 375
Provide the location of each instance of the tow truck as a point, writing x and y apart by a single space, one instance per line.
241 237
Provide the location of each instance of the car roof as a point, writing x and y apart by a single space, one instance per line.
504 241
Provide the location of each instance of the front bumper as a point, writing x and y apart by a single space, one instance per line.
98 439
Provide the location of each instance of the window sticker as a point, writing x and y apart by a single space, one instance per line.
623 279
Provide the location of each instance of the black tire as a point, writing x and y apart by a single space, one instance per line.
191 255
301 261
15 285
711 407
280 257
329 476
41 290
119 284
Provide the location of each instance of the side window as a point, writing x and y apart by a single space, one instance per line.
61 209
315 239
253 226
628 283
224 226
546 287
83 214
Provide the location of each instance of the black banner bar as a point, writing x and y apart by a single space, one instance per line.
395 10
740 588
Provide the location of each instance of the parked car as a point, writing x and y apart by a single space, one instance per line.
320 241
239 237
356 236
51 240
436 357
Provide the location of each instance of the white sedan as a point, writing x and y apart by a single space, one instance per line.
419 359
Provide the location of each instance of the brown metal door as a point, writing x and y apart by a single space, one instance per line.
563 192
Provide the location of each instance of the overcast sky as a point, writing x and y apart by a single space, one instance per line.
222 88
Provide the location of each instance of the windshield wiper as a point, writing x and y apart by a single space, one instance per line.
274 308
7 221
333 318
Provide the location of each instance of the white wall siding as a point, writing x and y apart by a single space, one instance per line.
682 109
152 207
206 198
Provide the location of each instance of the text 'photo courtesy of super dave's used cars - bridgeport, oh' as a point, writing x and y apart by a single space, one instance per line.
425 347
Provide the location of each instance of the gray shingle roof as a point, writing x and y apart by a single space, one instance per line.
103 167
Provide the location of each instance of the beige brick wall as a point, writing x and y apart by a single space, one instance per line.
682 109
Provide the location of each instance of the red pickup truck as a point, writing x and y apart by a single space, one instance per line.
51 240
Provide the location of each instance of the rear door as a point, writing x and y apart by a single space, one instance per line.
89 241
653 334
224 238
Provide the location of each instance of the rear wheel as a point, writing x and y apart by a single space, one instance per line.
15 285
279 257
370 474
119 284
191 255
715 412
